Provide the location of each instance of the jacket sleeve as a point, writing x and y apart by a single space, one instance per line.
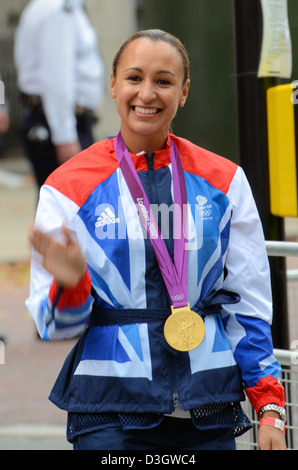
248 323
58 313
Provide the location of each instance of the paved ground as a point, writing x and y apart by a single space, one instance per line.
27 419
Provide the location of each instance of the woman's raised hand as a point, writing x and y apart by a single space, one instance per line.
64 260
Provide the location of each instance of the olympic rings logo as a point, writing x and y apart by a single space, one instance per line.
205 213
177 297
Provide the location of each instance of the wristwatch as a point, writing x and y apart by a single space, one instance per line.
272 407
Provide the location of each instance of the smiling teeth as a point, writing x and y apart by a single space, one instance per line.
138 109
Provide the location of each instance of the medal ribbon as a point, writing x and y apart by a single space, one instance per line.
175 274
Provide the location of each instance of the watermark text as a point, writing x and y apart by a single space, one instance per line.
2 92
294 95
127 220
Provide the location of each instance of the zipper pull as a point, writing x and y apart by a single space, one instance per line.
175 400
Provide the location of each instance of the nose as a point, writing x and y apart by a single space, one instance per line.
147 91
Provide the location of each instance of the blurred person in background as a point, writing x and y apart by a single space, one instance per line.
4 114
61 80
4 119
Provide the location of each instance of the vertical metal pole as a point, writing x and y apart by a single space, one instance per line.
253 148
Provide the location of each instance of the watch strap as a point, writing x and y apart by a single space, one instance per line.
277 423
273 407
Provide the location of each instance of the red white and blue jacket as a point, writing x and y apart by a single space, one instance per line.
122 363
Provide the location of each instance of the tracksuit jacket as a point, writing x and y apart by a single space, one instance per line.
121 363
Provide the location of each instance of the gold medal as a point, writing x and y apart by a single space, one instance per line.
184 329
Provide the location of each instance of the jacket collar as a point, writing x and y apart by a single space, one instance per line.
161 159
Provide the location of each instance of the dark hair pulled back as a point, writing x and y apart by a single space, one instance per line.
155 35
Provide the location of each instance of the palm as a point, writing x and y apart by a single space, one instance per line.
65 261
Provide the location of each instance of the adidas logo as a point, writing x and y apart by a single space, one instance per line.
107 217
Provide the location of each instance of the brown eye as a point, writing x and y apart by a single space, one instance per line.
163 82
134 78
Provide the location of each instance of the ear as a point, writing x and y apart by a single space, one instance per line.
184 93
113 85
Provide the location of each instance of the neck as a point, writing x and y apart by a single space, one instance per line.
136 144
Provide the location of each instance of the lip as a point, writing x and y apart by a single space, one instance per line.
146 110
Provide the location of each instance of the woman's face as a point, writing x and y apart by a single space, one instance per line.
148 88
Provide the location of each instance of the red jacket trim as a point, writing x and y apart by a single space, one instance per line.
268 390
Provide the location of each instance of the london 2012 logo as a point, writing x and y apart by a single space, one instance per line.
205 209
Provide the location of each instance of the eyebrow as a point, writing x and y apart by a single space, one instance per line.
159 72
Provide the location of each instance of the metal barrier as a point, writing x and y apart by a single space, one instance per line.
289 376
281 248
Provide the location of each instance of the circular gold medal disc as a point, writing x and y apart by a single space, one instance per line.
184 329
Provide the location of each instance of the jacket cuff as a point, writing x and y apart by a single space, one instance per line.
268 390
66 297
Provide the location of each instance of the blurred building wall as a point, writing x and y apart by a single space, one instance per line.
207 29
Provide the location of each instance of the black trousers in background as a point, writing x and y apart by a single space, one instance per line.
38 147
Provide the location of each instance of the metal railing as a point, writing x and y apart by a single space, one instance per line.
289 365
284 249
275 248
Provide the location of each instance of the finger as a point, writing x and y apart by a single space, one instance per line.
65 231
30 231
40 241
68 237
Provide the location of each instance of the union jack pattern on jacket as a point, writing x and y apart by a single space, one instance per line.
127 367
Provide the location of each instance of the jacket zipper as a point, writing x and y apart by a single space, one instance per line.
175 400
151 172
